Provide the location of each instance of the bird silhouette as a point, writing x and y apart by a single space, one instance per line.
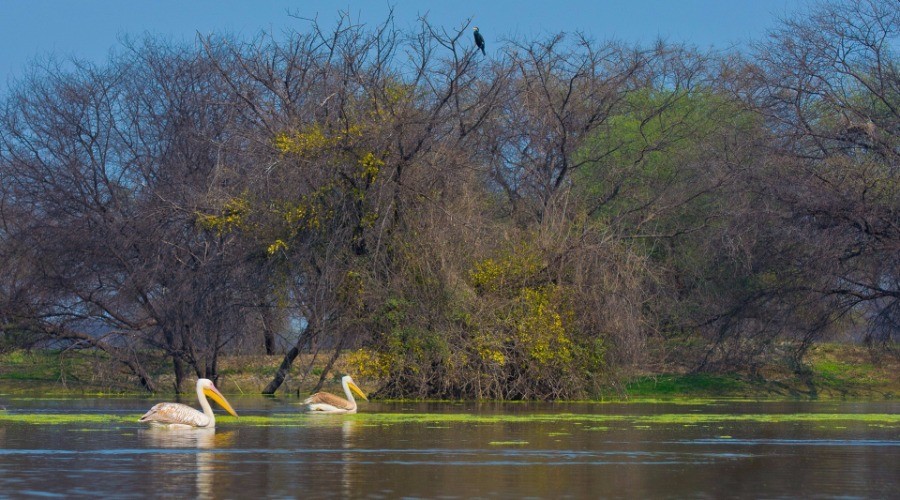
479 40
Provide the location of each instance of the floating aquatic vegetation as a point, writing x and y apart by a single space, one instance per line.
65 418
443 420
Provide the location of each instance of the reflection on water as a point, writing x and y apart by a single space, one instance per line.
348 458
175 470
160 437
353 456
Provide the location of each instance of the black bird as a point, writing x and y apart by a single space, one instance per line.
479 40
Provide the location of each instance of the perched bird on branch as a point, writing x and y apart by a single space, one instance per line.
479 40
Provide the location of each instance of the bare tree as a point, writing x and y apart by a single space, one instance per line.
828 85
561 94
113 169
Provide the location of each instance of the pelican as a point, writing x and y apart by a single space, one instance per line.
329 403
179 416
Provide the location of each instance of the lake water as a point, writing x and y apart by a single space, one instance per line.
94 447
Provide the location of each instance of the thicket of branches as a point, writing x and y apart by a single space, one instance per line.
521 226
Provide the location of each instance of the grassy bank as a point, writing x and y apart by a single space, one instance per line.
833 371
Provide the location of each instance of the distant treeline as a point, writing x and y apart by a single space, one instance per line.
525 225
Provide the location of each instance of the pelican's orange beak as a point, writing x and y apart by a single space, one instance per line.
217 396
357 390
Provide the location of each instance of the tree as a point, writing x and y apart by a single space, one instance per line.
109 172
829 88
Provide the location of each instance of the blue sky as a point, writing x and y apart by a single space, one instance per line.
88 29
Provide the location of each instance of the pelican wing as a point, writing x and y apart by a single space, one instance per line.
329 399
175 413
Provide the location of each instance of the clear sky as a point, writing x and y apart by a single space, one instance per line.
88 29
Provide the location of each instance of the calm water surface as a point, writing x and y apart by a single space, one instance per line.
727 449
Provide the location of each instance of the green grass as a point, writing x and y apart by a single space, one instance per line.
34 365
687 385
832 371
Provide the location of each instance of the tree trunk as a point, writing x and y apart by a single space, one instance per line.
268 334
178 368
283 370
288 360
334 357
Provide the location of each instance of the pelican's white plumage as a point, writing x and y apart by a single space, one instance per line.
324 402
177 415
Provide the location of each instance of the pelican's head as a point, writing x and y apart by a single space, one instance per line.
210 391
346 379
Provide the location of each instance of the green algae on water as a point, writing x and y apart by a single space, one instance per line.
65 418
444 420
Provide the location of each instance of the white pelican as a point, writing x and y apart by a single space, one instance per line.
179 416
329 403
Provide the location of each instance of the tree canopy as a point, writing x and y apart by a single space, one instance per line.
522 226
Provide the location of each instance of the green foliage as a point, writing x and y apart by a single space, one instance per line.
508 272
371 364
538 327
670 178
400 345
370 165
232 216
311 212
656 148
656 143
528 335
313 140
514 335
338 166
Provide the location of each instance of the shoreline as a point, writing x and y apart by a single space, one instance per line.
833 372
